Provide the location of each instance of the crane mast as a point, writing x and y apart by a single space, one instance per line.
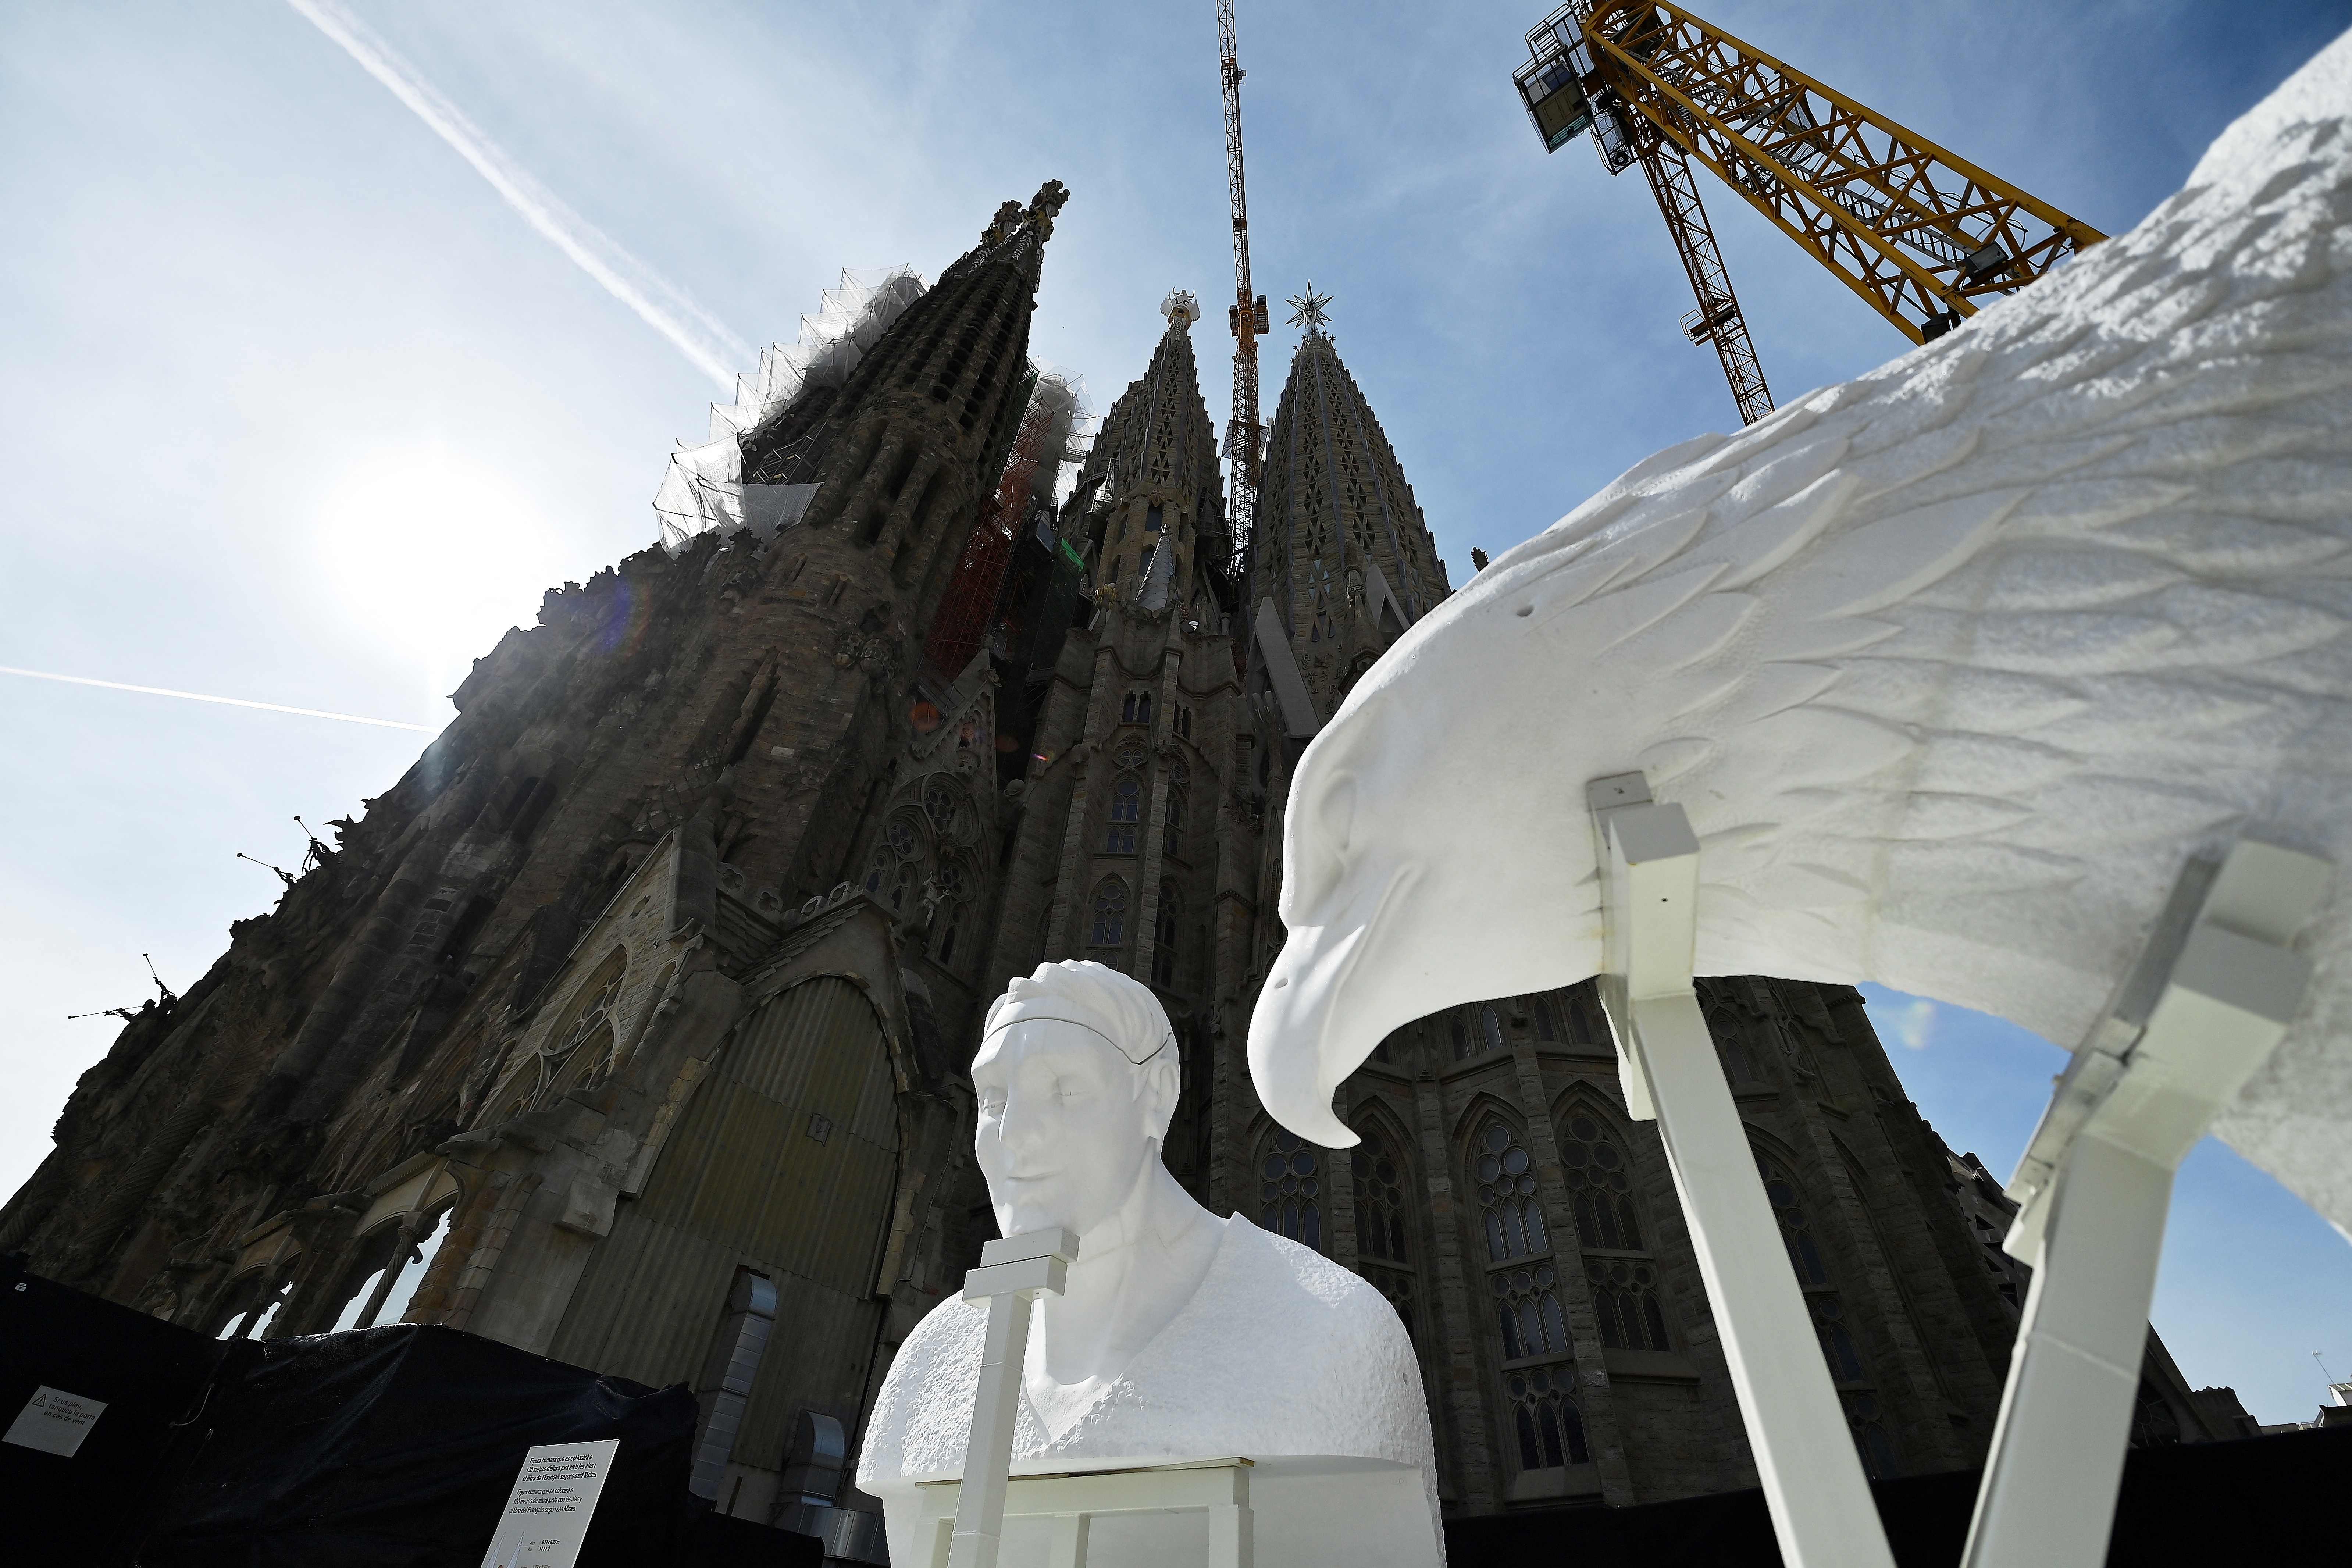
1922 236
1245 437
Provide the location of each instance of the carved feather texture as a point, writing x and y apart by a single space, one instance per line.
1952 665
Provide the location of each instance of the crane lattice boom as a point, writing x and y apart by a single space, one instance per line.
1245 437
1921 235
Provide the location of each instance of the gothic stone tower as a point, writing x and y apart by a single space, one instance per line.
581 1040
1132 833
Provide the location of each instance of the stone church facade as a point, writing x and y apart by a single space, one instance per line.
630 1027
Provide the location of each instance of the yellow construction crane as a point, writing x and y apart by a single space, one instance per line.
1245 437
1921 235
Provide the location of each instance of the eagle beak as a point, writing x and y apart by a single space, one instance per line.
1290 1049
1316 1018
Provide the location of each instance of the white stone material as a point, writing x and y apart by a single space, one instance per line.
1180 1336
1953 667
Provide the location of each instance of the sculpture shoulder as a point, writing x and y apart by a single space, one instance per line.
1353 1315
924 1407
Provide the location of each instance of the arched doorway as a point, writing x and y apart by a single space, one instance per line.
782 1164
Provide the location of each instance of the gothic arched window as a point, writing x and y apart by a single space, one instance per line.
1549 1427
1617 1266
1290 1188
249 1305
1847 1368
1475 1034
1506 1186
1729 1032
1600 1183
951 892
1547 1020
894 874
1490 1029
949 808
1163 937
1110 928
1136 708
386 1267
1383 1221
1125 810
577 1050
1531 1333
1172 835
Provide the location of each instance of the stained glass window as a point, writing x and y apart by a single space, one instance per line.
1110 914
1527 1307
1506 1186
1599 1184
1544 1418
1126 809
1290 1189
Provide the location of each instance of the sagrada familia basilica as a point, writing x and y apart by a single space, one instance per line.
631 1026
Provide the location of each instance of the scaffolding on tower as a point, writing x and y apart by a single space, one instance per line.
1032 468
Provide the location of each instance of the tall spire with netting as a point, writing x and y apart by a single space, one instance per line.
1150 490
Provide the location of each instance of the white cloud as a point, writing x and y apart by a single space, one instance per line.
1915 1023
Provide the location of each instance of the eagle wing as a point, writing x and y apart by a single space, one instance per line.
1953 664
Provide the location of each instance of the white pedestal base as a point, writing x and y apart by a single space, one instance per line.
1295 1512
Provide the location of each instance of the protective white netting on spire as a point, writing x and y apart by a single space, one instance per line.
704 489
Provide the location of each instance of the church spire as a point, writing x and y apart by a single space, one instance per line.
904 450
1344 558
1150 490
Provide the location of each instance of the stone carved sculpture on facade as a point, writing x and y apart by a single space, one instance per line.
1181 1336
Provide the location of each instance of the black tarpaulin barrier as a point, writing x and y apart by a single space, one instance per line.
2255 1500
396 1447
94 1507
716 1540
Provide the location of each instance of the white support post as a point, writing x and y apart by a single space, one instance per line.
2211 996
1822 1514
1012 1272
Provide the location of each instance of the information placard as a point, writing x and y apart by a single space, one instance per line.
54 1421
553 1498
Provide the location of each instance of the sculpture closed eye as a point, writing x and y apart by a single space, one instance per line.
1952 667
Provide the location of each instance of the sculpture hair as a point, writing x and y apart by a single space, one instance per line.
1095 997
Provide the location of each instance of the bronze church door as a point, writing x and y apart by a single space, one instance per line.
782 1163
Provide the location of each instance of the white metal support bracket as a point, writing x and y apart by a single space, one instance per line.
2211 996
1012 1272
1821 1509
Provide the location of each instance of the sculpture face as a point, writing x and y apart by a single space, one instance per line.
1068 1125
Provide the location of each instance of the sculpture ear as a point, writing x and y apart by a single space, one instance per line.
1163 1081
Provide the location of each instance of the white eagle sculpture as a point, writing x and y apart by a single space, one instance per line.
1952 667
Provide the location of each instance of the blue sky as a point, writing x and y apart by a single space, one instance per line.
302 411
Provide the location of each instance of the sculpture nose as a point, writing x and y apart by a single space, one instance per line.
1021 1126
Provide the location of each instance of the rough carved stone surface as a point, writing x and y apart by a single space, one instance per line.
1279 1352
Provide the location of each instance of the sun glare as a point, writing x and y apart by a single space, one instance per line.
434 555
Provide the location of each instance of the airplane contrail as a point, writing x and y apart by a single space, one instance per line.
201 697
710 346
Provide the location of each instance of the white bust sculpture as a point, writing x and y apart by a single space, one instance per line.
1182 1335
